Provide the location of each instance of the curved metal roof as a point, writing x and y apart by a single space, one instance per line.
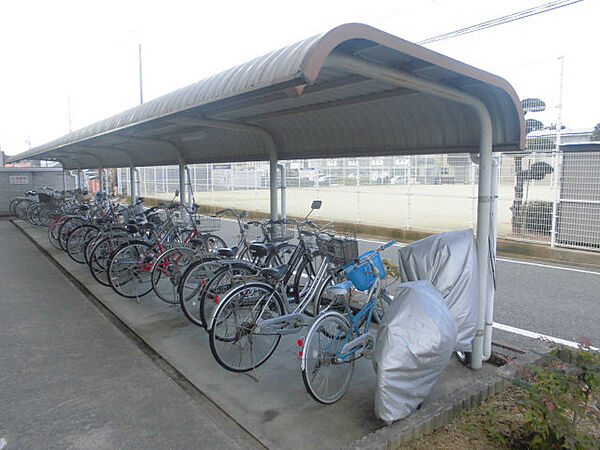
294 101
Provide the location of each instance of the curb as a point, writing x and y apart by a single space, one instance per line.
445 411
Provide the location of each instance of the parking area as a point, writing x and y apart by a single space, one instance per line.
269 407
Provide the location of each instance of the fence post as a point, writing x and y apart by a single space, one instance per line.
357 190
558 158
408 192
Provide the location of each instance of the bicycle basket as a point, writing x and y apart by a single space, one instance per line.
280 232
362 275
342 251
208 223
44 198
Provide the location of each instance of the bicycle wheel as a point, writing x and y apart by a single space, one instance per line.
65 229
196 276
100 257
235 341
76 240
214 242
21 208
45 214
13 206
325 372
31 213
53 234
168 270
282 255
129 268
229 274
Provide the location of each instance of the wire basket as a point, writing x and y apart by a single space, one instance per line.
280 232
311 242
208 223
341 250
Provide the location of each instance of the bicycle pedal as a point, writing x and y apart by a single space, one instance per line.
368 353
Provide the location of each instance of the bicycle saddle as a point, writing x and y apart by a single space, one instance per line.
274 272
261 250
340 288
228 252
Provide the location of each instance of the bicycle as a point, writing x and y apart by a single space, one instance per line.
335 340
247 325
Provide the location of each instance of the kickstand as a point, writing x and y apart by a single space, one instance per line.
253 375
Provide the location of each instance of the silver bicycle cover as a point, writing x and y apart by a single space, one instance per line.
413 347
449 261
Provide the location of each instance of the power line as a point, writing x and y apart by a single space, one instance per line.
501 20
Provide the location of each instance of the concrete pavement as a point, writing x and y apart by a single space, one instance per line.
70 379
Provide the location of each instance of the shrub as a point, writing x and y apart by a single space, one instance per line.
557 402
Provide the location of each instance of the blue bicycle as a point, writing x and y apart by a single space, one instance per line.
335 340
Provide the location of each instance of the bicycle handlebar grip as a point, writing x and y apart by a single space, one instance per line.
388 244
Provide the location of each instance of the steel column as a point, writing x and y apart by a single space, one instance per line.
283 187
377 71
132 189
182 193
273 185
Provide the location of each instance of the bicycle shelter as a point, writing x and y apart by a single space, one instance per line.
350 92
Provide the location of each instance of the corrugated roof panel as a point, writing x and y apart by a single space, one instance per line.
310 108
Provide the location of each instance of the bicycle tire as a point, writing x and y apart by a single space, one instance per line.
100 256
192 283
233 342
126 272
76 241
222 281
167 272
325 376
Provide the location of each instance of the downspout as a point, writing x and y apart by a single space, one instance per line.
283 187
376 71
491 288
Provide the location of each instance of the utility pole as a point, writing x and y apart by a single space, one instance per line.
140 64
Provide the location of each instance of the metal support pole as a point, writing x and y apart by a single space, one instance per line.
78 178
273 185
132 189
64 179
283 187
376 71
408 193
182 193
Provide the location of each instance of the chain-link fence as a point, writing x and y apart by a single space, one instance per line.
544 197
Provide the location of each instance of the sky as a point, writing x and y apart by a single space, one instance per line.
81 56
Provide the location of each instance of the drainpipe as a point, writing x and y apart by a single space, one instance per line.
376 71
283 187
491 289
